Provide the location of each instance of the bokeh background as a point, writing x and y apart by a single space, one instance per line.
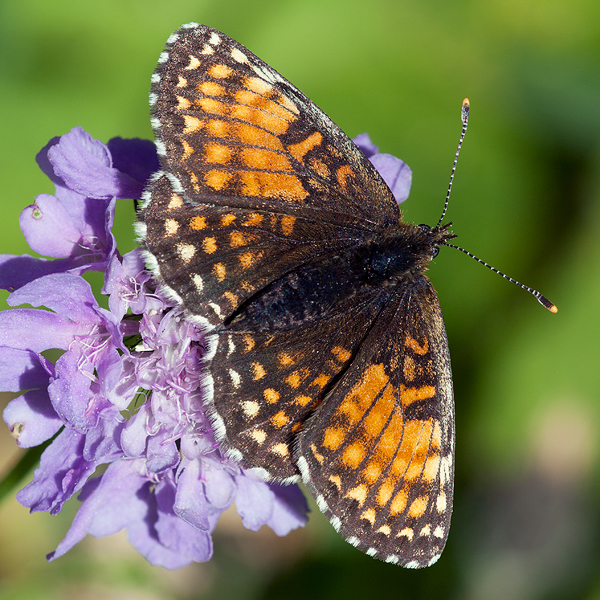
526 198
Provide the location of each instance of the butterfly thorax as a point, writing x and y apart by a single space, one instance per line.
316 290
405 252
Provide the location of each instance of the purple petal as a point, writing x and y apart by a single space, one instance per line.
85 165
190 500
16 271
363 141
62 473
135 434
48 228
254 502
290 509
134 157
21 370
124 283
109 369
70 392
67 295
120 498
176 534
109 503
396 173
31 418
35 330
102 440
219 487
162 452
123 393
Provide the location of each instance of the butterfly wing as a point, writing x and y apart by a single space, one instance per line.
378 453
256 179
276 361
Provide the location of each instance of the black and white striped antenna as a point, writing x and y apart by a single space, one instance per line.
464 117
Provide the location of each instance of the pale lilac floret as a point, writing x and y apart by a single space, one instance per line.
395 172
128 387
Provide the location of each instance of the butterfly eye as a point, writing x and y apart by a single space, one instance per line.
424 227
436 251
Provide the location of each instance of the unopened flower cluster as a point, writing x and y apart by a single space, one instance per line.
124 393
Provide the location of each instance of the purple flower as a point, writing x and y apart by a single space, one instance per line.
125 391
126 388
395 172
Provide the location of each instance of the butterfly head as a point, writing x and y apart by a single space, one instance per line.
437 236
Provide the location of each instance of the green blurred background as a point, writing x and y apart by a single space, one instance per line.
526 198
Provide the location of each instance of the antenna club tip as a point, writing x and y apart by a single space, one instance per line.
547 304
464 111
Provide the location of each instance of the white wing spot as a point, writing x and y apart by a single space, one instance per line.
186 252
371 552
216 308
197 281
164 56
207 50
250 408
336 523
193 64
259 436
230 347
238 55
215 39
353 540
235 378
413 564
438 532
440 503
171 226
392 558
281 449
426 531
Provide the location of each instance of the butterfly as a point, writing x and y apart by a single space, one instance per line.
327 352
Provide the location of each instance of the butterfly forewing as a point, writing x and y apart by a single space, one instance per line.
257 179
235 132
216 257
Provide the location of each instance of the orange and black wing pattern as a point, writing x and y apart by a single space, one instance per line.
378 453
327 352
256 179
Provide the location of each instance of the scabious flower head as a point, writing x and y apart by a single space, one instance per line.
126 390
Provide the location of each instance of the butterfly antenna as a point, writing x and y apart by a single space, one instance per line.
541 299
464 117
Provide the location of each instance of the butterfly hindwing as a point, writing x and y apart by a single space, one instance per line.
378 453
275 362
